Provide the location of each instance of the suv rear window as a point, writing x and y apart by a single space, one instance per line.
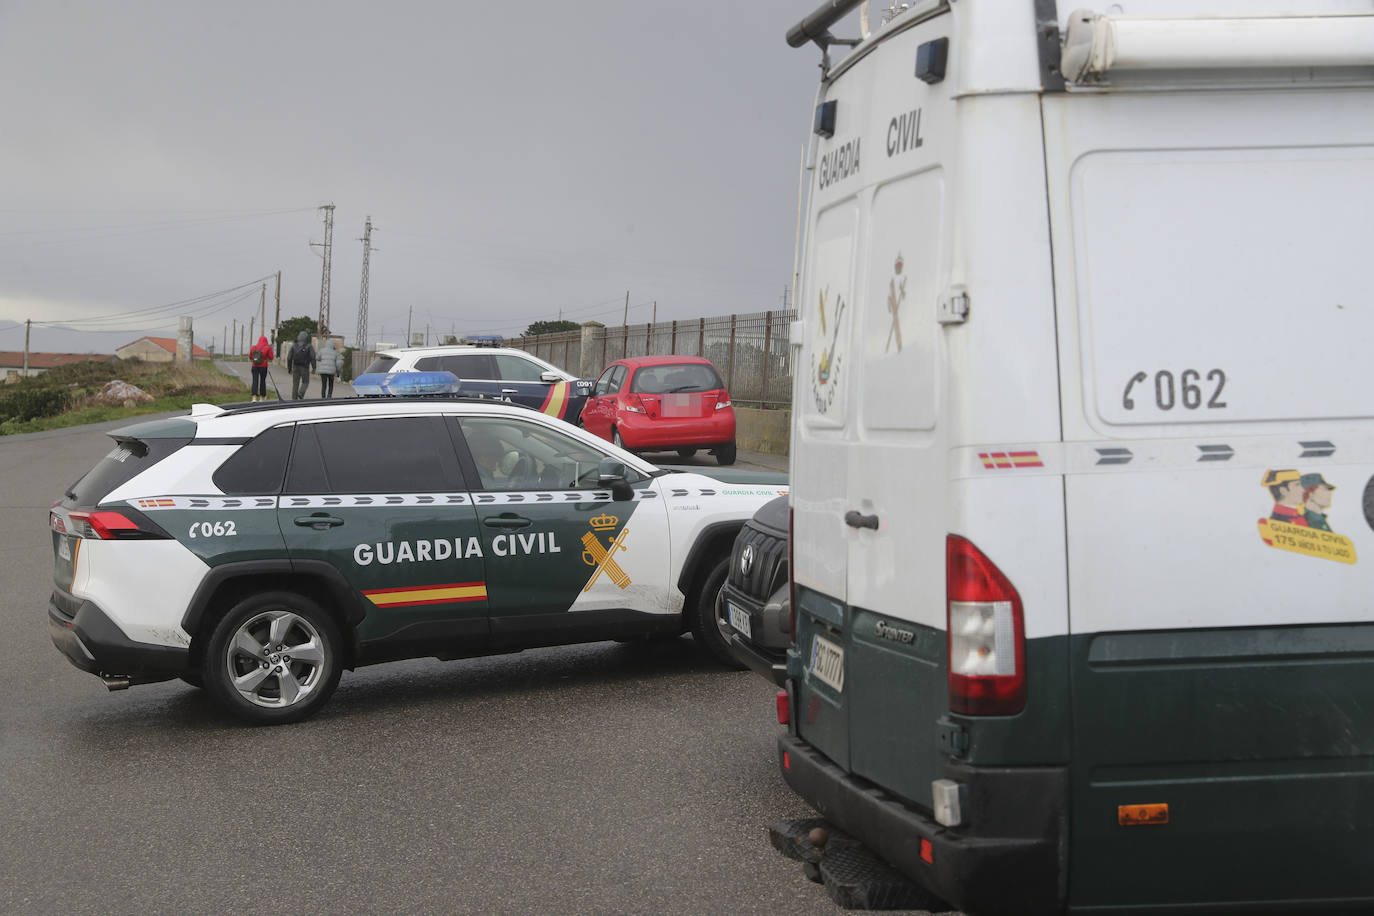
380 364
128 459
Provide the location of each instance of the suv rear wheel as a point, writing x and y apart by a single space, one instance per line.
274 658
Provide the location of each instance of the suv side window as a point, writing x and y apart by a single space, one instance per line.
518 369
257 468
511 454
463 365
383 455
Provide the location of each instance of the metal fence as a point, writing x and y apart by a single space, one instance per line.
750 351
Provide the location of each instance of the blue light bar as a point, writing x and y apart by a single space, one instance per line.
406 384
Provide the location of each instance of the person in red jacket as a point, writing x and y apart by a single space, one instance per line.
259 357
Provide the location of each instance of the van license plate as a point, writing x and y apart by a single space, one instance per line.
739 620
827 662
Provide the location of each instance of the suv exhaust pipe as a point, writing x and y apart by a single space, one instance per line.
115 683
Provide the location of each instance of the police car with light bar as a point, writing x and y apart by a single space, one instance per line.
499 373
259 550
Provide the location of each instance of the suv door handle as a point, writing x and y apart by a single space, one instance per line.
856 519
510 390
319 521
506 520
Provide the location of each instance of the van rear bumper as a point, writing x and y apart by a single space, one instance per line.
1012 859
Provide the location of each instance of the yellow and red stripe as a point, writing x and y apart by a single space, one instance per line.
1011 459
412 595
556 401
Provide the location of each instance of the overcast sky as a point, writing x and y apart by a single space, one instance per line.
516 159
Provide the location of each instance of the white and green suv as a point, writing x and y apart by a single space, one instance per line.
260 550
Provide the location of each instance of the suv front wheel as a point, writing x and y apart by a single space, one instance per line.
274 658
709 631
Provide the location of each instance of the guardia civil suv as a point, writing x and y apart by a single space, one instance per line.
259 550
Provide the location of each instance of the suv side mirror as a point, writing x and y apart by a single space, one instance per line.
611 473
550 377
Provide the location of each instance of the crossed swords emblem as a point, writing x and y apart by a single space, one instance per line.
603 558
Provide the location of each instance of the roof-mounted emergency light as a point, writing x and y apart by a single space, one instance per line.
1096 45
406 384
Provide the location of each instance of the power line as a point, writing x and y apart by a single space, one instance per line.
147 312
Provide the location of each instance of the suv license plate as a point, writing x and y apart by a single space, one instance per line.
827 662
739 620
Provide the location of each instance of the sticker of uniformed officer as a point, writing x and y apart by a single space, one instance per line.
1298 522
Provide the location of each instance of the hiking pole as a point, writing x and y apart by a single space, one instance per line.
274 383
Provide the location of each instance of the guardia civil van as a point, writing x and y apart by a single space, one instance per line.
1082 460
259 550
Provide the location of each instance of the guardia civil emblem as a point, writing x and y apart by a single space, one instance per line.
602 557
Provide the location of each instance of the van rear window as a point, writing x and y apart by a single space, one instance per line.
124 462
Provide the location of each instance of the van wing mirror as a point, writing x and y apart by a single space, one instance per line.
611 473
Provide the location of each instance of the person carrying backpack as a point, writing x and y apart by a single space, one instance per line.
299 361
331 361
259 357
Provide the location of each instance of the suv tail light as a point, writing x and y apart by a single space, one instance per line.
109 525
987 634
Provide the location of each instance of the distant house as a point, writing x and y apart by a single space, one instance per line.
156 350
12 361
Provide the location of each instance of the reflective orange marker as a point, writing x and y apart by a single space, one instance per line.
786 761
1139 815
927 852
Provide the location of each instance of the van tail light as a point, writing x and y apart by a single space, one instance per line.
635 404
791 582
987 634
111 525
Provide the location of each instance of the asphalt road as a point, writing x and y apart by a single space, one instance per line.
600 778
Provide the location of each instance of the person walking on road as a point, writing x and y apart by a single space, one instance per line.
331 361
299 361
259 357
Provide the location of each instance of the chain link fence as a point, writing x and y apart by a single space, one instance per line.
750 352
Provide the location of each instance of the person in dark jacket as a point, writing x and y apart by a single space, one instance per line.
259 357
299 361
331 361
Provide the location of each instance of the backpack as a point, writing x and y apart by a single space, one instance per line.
257 357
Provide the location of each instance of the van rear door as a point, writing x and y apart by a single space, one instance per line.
1216 311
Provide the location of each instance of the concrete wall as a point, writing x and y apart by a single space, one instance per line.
767 431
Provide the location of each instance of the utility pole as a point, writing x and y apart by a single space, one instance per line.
626 320
251 323
262 309
28 324
362 291
327 253
655 311
409 314
234 340
276 321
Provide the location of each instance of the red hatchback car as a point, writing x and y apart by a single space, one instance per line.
663 403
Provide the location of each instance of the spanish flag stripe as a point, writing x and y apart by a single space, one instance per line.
416 588
432 594
556 401
421 601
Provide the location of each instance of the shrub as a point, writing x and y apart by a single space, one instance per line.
30 403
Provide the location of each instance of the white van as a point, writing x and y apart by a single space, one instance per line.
1083 460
